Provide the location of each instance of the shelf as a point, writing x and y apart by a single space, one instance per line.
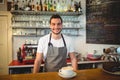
24 27
42 35
14 27
45 13
27 21
75 21
25 35
31 45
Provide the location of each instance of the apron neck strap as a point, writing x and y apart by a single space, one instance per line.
50 40
63 40
51 43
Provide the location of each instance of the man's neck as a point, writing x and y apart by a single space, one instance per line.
56 36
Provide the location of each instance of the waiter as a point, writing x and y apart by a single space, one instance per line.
54 48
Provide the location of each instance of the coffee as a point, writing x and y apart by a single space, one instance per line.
67 71
67 68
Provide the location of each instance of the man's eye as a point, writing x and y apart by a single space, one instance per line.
56 24
59 23
53 24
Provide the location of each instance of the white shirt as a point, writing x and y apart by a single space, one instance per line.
43 44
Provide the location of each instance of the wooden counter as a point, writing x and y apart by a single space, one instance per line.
87 74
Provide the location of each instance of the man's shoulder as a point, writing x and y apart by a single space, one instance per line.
45 36
66 36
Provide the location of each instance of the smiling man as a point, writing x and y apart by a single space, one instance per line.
54 48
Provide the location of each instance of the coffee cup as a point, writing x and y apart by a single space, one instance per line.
67 71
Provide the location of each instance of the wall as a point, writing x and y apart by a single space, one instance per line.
18 41
80 41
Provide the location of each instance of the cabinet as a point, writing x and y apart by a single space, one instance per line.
32 23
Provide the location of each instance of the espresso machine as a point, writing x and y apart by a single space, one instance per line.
27 53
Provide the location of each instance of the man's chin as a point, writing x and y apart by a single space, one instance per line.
56 33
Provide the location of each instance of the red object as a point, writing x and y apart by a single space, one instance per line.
68 60
93 57
23 51
17 63
31 61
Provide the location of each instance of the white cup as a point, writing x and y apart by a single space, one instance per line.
67 71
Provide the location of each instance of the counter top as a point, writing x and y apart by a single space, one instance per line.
16 63
87 74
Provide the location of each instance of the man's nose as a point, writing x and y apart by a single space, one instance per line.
56 25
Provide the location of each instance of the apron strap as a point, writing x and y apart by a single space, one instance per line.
63 40
52 44
50 40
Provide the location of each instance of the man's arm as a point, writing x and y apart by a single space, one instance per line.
73 61
37 62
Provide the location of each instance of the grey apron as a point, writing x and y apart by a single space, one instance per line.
56 57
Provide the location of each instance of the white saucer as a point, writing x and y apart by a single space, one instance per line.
64 76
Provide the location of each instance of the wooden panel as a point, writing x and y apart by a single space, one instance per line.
3 45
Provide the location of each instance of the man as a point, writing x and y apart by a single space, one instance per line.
54 48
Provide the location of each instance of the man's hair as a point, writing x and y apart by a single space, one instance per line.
55 16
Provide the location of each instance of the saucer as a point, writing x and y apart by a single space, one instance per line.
64 76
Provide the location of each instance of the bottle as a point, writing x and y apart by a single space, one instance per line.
45 6
19 56
58 7
54 6
37 7
22 5
12 5
26 3
65 6
19 5
16 5
72 6
33 5
79 7
51 6
76 6
41 6
30 5
62 6
69 5
48 6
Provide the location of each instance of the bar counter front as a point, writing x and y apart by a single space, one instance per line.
86 74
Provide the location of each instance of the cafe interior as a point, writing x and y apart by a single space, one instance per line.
92 25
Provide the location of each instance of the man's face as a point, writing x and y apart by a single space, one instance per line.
56 25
